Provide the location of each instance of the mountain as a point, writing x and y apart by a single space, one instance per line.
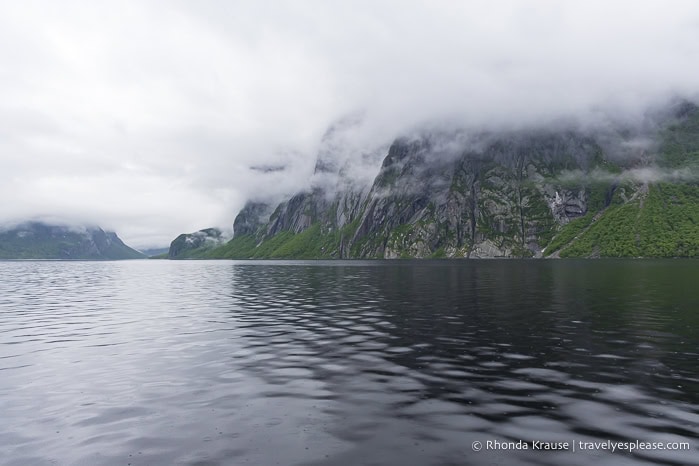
622 190
37 240
195 245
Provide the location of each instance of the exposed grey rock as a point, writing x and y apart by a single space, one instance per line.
465 195
253 216
490 196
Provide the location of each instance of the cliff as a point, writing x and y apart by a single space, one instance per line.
550 192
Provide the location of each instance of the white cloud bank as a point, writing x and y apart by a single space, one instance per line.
146 116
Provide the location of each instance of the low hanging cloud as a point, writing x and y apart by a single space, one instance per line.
153 117
649 174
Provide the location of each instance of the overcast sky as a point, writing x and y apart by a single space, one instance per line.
145 117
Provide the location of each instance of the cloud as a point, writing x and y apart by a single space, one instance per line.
649 174
150 116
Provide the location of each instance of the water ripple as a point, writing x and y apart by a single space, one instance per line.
217 363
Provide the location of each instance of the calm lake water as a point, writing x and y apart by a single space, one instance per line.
347 363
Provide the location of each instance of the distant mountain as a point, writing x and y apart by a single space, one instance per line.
623 190
195 245
37 240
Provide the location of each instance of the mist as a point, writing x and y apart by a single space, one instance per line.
154 118
642 175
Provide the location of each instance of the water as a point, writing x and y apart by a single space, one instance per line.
346 363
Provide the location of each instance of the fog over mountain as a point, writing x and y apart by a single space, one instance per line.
155 118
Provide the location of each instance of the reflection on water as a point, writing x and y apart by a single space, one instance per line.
346 363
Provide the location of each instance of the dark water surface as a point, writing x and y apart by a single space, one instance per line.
346 363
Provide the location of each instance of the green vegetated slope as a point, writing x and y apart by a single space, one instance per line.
512 197
662 220
312 243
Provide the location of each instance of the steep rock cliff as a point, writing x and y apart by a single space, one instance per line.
532 193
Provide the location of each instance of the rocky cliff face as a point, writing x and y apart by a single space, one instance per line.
497 198
36 240
488 197
510 194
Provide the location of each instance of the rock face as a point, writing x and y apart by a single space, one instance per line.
192 245
510 194
487 203
37 240
251 218
439 196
